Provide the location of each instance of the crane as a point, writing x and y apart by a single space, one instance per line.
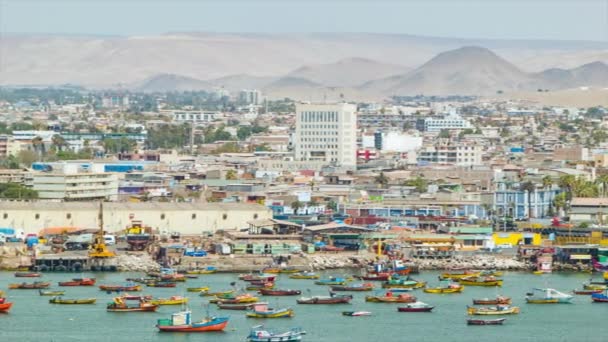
99 245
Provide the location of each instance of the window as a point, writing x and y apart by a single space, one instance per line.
194 216
224 216
37 216
255 216
162 216
5 216
68 216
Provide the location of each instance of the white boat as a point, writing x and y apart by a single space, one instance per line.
548 295
356 313
259 334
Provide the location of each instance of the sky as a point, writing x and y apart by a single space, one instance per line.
492 19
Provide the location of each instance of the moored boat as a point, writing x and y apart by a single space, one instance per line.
259 277
271 292
492 301
356 313
416 307
261 310
120 288
198 289
459 275
245 306
51 293
406 283
498 321
390 298
548 296
173 300
586 292
331 281
119 305
216 294
493 310
27 275
259 334
480 281
304 275
353 287
30 286
182 322
452 288
126 296
599 297
162 284
374 277
78 282
240 299
258 287
5 306
333 299
60 300
208 270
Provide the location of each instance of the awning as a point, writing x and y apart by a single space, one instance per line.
580 257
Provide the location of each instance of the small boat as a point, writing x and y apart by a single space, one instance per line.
498 321
479 281
245 306
120 288
259 334
174 300
405 283
59 300
453 288
548 296
389 298
119 305
491 273
331 299
374 277
353 287
78 282
182 322
162 284
216 294
586 292
331 281
493 310
599 298
260 277
127 296
5 306
595 287
51 293
459 275
142 280
271 292
304 275
198 289
538 272
288 270
259 287
416 307
275 270
271 270
27 275
191 276
261 310
240 299
209 270
30 286
492 301
356 313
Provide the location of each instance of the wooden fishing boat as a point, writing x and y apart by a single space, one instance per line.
5 306
174 300
59 300
27 275
416 307
162 284
459 275
246 298
595 287
498 321
304 275
206 271
198 289
356 313
246 306
191 276
493 310
288 270
333 299
586 292
259 287
271 270
406 283
492 301
389 298
331 281
353 287
78 282
480 281
271 292
261 310
599 298
182 322
374 277
453 288
491 273
260 277
30 286
119 305
258 334
127 296
51 293
120 288
548 296
142 280
216 294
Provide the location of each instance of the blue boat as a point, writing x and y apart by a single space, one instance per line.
331 281
599 297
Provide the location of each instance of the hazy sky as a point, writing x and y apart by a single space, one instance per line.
505 19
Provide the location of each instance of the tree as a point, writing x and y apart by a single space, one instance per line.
560 201
530 188
602 182
547 182
444 133
419 183
297 205
17 191
26 157
567 183
58 142
332 205
381 180
231 175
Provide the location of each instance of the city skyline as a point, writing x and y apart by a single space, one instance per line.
496 19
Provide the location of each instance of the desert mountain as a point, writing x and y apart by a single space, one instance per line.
242 81
592 74
169 82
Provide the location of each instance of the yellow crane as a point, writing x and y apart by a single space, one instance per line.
99 246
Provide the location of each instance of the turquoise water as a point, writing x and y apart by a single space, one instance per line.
32 318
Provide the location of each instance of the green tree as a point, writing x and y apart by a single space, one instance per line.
17 191
444 133
296 206
381 180
420 183
528 187
547 182
231 175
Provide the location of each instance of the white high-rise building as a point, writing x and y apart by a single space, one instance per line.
327 133
253 97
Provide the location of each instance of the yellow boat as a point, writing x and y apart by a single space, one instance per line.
198 289
307 275
175 300
542 301
459 275
594 287
271 270
216 294
59 300
201 272
497 310
538 272
606 275
491 273
263 311
453 289
480 282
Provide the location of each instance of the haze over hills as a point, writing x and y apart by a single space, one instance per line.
169 82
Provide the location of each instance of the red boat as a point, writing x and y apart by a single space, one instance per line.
586 292
127 296
5 306
253 277
270 292
119 288
78 282
27 275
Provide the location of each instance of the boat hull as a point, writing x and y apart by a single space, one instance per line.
396 299
406 309
495 301
269 292
142 308
204 327
499 321
444 290
5 307
277 314
329 300
73 301
493 311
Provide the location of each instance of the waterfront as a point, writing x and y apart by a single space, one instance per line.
34 319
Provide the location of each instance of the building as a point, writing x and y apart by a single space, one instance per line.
451 153
9 146
451 121
519 203
250 96
115 101
76 186
593 210
391 142
46 136
185 218
326 133
194 116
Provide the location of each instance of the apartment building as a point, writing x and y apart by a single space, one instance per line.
71 184
194 116
451 153
451 121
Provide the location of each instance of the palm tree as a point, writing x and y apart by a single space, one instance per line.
567 182
230 175
58 142
547 182
602 182
381 180
560 201
297 205
38 145
530 188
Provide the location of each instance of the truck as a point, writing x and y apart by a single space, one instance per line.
12 234
79 242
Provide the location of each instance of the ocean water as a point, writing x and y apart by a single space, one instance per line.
32 318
